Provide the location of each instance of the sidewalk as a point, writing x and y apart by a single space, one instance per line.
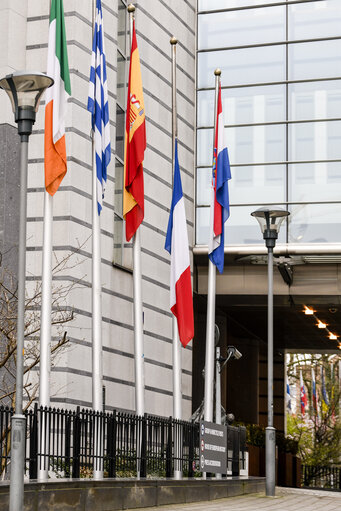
287 499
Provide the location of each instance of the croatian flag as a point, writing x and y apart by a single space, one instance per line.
220 207
98 106
181 301
304 400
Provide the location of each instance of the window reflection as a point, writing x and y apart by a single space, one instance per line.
250 65
314 19
251 26
314 223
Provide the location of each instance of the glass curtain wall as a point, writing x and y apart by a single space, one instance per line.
281 94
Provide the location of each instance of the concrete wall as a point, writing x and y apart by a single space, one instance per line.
156 22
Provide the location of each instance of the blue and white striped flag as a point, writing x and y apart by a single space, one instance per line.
98 105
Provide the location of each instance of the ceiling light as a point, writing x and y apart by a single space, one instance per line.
333 337
307 311
320 324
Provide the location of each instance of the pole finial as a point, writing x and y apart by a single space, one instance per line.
217 72
173 40
131 8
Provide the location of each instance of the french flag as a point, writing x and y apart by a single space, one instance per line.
220 207
181 301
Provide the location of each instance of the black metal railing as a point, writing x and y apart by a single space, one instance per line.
321 477
74 443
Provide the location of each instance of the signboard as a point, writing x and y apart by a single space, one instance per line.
213 448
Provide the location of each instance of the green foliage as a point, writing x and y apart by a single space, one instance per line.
255 435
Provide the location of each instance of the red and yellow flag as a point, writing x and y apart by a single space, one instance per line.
135 145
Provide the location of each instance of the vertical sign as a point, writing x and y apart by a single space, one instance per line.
213 448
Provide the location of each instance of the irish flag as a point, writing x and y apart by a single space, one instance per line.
56 100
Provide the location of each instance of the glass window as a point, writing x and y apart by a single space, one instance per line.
244 105
210 5
320 59
242 66
204 147
120 130
314 182
315 100
121 79
314 19
204 183
122 26
315 223
256 144
238 28
257 184
240 228
315 141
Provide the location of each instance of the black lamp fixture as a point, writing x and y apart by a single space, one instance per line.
24 89
270 221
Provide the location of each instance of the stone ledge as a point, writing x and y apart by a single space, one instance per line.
118 494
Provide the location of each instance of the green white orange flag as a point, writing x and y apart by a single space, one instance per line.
135 145
56 100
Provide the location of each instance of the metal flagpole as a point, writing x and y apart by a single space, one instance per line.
210 322
45 334
138 319
177 394
97 368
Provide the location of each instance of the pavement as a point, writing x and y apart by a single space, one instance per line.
287 499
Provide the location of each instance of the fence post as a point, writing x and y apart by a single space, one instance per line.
111 444
169 451
33 432
67 443
76 444
191 449
143 471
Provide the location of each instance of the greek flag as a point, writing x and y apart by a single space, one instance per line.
98 105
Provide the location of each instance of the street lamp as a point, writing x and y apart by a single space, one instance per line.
270 221
24 90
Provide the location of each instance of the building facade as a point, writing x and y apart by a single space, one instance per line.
281 88
24 36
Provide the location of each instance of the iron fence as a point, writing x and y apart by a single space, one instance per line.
74 443
321 477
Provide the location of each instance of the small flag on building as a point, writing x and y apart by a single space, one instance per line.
325 399
181 300
304 400
288 398
98 105
220 208
314 391
56 100
135 145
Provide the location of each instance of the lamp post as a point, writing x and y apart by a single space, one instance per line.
24 90
270 221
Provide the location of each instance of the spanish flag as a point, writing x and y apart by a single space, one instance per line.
56 100
135 145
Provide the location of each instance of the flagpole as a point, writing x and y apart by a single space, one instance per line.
97 366
211 292
137 279
45 329
177 394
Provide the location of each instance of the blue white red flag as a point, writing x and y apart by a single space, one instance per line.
181 300
220 207
304 400
98 106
